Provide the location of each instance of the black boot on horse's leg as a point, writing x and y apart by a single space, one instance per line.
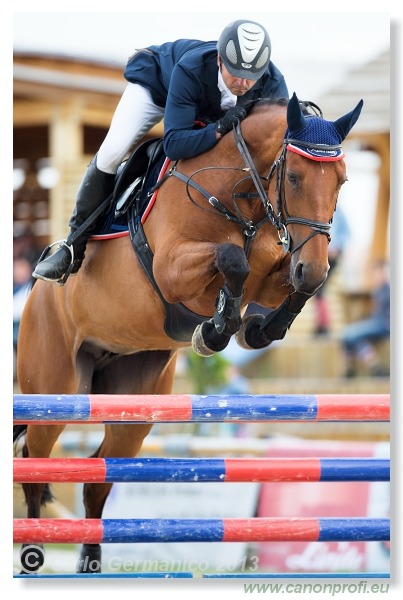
95 187
258 331
214 335
90 559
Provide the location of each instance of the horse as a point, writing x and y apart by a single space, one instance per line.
247 221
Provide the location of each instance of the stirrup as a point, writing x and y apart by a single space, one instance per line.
45 253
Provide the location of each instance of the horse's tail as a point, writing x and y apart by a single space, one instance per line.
18 432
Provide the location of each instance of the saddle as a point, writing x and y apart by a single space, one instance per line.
133 174
134 178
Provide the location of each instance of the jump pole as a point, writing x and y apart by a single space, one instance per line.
270 529
101 408
193 470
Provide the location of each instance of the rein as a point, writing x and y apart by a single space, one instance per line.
250 229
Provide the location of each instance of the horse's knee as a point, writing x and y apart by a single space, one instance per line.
231 261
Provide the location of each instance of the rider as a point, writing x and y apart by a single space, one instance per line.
184 82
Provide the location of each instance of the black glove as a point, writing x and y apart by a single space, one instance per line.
231 117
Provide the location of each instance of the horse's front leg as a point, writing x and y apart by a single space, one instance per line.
258 331
213 335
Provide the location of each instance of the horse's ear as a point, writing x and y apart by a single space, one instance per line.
295 118
346 123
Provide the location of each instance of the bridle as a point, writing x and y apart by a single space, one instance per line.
280 220
276 217
318 227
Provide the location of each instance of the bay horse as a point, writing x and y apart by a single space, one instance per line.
247 221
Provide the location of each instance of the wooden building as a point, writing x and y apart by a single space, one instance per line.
63 107
371 82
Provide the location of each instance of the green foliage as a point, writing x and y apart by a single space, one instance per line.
207 373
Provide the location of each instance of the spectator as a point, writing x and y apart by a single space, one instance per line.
358 338
25 244
340 234
236 383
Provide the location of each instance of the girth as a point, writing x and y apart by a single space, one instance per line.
180 322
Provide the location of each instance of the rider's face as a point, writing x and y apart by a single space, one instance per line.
236 85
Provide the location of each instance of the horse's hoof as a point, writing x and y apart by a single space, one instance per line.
198 344
90 559
32 557
240 335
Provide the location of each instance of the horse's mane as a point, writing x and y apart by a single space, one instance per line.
250 105
307 106
272 101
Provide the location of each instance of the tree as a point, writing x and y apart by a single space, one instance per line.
207 373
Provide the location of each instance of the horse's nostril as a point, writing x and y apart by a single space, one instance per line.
307 279
299 272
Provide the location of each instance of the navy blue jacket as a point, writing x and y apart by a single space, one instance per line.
182 77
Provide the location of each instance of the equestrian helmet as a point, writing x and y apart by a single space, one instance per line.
244 48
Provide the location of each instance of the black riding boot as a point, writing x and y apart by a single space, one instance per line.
95 188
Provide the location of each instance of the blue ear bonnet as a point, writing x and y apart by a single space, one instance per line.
312 136
316 132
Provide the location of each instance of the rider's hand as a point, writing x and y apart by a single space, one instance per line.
231 118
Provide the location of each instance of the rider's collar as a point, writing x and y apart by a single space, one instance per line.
228 99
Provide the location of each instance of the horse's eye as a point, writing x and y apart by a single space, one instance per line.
292 178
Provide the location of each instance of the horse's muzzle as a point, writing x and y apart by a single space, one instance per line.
308 277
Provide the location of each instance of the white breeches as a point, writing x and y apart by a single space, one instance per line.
134 116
